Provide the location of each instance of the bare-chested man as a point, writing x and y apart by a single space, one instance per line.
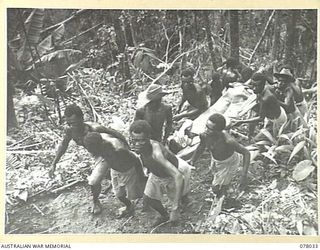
77 130
156 113
269 106
126 170
224 151
194 94
168 174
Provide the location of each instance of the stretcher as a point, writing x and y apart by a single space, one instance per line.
235 102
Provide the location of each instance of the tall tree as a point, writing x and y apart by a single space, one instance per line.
121 43
276 37
291 37
209 37
234 34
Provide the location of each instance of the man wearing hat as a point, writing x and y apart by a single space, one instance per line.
289 94
194 94
156 113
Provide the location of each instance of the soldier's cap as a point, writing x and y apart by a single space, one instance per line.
286 73
153 92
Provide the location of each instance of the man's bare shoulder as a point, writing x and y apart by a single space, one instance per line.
157 149
228 138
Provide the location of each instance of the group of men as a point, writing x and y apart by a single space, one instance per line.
147 148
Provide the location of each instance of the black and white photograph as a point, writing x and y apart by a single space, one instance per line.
212 111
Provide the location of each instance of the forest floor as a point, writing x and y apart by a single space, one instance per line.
69 212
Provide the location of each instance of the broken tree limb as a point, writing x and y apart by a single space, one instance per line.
38 209
66 186
160 225
262 36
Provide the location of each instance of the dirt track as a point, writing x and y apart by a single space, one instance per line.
69 212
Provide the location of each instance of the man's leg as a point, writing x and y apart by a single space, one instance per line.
96 189
129 207
157 205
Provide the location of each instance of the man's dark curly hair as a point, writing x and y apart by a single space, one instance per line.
73 109
188 72
246 74
219 120
231 62
141 126
93 141
258 76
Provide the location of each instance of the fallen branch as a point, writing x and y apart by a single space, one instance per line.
16 229
48 230
29 152
38 209
123 224
28 146
66 186
160 225
13 144
241 220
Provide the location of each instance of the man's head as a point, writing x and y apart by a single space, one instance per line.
187 75
93 143
231 63
140 133
216 122
258 81
74 116
246 74
285 75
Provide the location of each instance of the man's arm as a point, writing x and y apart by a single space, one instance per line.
169 122
137 164
246 160
288 99
187 114
139 115
251 120
183 99
63 145
199 150
114 133
172 171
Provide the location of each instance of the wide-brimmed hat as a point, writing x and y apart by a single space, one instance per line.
285 73
154 91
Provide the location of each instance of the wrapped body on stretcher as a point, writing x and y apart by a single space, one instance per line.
234 103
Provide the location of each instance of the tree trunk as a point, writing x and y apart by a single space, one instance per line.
291 37
11 115
181 25
120 39
276 37
209 38
234 34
